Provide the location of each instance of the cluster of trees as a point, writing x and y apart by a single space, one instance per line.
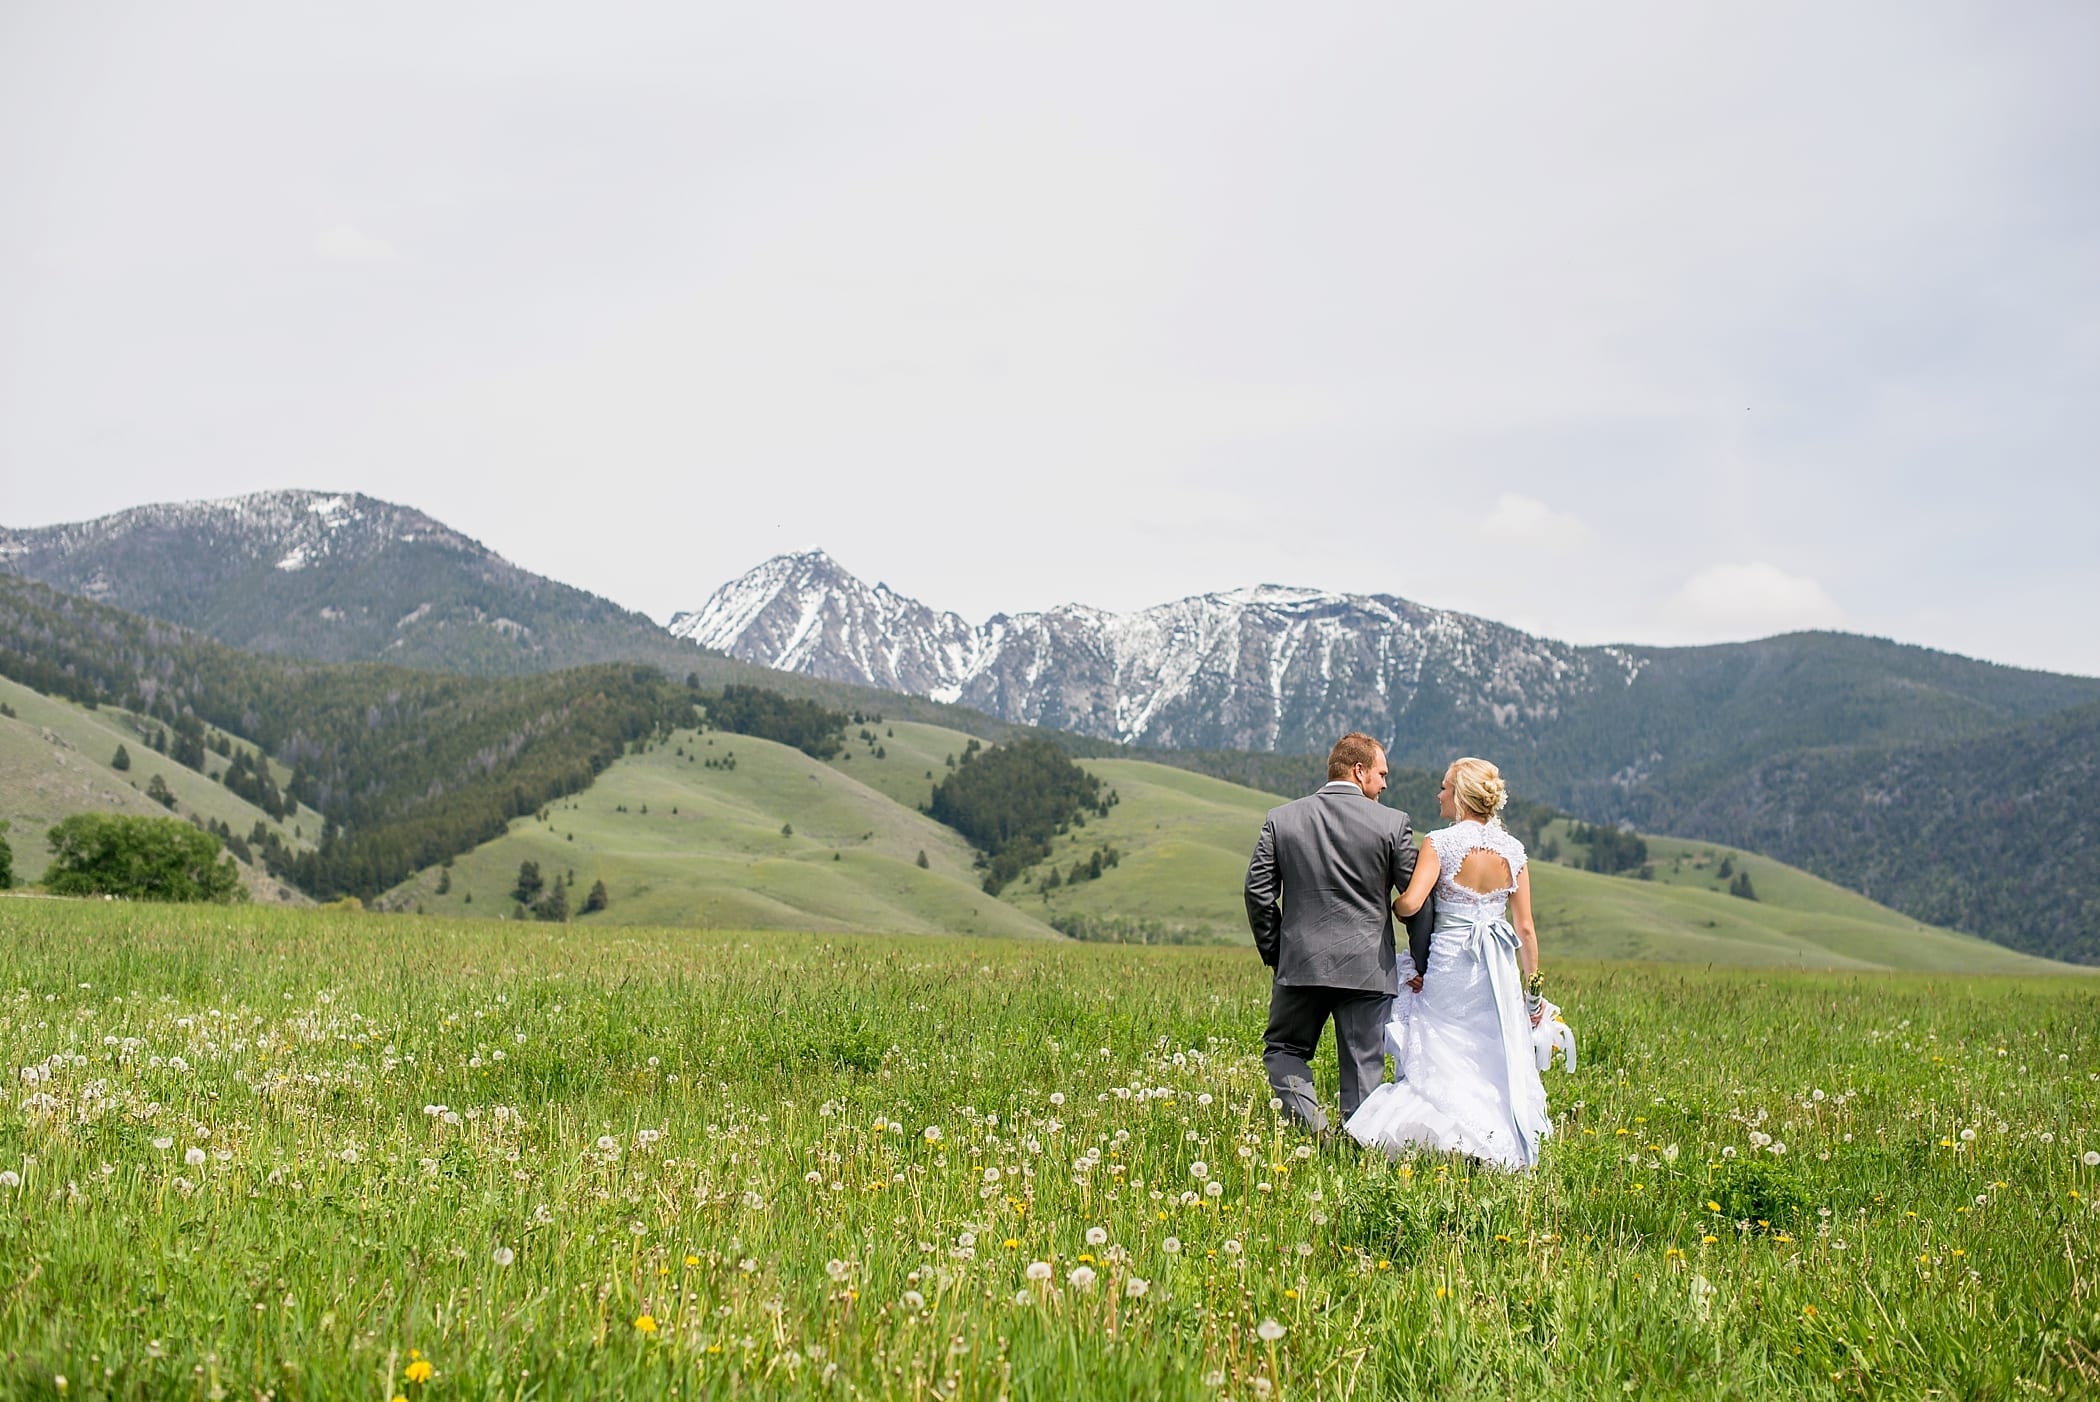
1097 861
1609 850
542 900
816 730
151 859
1123 929
1011 800
7 859
404 767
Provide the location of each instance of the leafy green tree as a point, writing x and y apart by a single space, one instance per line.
923 863
157 789
554 906
787 829
150 859
121 761
597 900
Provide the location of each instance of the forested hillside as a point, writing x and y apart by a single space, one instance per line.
405 767
1992 835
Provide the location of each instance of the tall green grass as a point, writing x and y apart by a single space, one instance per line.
304 1154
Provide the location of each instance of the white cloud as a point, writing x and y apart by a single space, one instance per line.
1522 520
349 245
1756 599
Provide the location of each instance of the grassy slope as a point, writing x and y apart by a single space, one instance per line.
54 762
720 860
1185 840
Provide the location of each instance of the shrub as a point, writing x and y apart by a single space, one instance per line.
148 859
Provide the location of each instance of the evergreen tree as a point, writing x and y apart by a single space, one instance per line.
121 761
1726 869
597 900
787 829
7 859
157 789
554 906
444 883
1741 886
923 863
529 883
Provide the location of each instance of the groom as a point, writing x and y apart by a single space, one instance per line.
1332 861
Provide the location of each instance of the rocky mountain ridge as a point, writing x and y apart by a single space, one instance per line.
1262 668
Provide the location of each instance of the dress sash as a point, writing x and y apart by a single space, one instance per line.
1497 941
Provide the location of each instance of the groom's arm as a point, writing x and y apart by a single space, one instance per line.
1405 855
1262 891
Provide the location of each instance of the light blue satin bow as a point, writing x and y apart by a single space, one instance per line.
1498 950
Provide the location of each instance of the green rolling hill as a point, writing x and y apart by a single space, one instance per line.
1184 841
780 841
55 761
720 860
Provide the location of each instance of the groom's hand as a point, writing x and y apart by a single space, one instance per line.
1414 985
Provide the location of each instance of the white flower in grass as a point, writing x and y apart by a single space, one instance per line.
164 1143
2092 1158
1022 1297
9 1178
914 1301
1269 1330
1232 1248
1057 1097
812 1178
503 1255
193 1156
1172 1246
836 1269
1136 1286
348 1156
1214 1189
991 1175
1096 1236
1038 1270
1199 1169
1968 1136
1204 1099
1082 1277
933 1134
608 1145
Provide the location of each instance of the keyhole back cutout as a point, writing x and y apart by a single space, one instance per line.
1483 872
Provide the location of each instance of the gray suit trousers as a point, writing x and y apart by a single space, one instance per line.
1297 1016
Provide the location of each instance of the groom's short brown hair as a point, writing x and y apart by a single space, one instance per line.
1351 750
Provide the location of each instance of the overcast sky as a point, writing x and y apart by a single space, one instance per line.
1658 322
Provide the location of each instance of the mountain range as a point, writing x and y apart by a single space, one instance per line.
1725 743
1612 731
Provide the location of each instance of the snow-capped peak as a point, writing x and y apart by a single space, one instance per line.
1261 667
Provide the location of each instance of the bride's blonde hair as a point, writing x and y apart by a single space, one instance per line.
1477 786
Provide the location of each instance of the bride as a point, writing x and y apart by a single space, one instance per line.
1461 1041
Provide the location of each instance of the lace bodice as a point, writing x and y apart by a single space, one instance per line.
1452 846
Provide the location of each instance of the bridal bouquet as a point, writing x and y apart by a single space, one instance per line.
1553 1032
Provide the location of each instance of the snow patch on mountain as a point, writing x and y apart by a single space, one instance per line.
1263 667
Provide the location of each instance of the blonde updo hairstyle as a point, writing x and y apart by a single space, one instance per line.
1477 787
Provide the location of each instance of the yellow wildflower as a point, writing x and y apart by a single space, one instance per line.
645 1324
418 1371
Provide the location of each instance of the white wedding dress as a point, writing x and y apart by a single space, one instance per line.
1467 1081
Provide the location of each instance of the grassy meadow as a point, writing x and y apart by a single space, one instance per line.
295 1154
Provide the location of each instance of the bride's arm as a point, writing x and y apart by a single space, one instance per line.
1418 888
1527 933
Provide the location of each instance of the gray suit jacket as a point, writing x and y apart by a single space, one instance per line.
1333 860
